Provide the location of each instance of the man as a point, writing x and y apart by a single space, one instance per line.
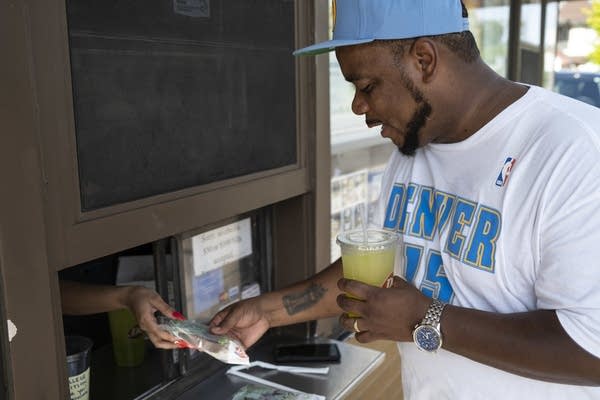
494 190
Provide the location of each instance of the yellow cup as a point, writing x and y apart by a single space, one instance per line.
127 352
368 256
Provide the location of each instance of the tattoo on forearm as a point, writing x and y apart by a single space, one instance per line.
297 302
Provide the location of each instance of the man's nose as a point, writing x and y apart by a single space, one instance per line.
359 105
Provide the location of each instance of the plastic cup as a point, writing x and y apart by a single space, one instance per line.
368 256
127 352
78 366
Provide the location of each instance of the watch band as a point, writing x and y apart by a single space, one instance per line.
434 313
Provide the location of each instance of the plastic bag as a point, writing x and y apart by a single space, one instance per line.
195 335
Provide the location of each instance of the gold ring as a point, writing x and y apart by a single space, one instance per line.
356 325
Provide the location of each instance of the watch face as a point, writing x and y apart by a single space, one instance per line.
427 338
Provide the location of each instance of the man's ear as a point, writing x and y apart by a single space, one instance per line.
425 52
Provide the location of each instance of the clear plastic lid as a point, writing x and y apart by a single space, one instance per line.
375 240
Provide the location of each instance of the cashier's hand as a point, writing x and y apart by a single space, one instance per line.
143 303
244 321
385 314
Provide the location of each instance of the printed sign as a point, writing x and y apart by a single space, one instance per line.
218 247
250 290
79 386
207 288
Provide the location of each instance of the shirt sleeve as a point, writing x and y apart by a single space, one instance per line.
568 278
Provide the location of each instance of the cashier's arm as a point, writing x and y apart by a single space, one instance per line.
312 299
82 299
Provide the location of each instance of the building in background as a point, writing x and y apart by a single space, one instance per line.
575 39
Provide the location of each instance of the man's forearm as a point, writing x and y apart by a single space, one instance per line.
531 344
312 299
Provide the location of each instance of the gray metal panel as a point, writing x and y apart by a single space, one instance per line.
356 363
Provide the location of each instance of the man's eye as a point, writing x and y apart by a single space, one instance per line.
367 89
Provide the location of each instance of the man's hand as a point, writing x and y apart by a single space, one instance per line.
552 355
245 321
389 314
308 300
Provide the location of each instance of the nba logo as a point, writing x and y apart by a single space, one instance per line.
502 179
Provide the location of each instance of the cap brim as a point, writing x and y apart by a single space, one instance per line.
327 46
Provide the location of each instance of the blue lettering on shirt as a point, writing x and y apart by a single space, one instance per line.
472 231
395 207
412 255
423 223
482 247
436 285
463 215
444 204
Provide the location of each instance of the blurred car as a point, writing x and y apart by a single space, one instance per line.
583 86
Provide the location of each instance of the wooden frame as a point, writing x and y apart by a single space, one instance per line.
40 231
76 236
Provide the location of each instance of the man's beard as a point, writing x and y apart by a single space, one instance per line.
418 120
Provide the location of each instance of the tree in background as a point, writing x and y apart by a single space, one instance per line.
594 23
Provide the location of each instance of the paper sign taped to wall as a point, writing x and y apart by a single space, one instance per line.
218 247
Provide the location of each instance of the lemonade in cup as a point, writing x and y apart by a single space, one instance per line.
368 256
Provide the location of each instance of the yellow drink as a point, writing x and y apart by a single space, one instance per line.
368 256
372 267
127 352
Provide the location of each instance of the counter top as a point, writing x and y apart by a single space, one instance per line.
356 364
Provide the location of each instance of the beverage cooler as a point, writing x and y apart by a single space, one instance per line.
175 144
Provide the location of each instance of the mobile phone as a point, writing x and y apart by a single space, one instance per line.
307 352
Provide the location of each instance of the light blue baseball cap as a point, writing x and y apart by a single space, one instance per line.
363 21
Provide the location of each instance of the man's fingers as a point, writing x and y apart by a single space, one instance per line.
366 337
218 318
351 305
352 324
360 327
399 282
356 288
223 321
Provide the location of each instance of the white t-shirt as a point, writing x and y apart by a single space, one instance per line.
506 221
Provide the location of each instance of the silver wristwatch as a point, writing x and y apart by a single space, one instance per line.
427 334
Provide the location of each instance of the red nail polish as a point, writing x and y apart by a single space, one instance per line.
178 315
183 345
